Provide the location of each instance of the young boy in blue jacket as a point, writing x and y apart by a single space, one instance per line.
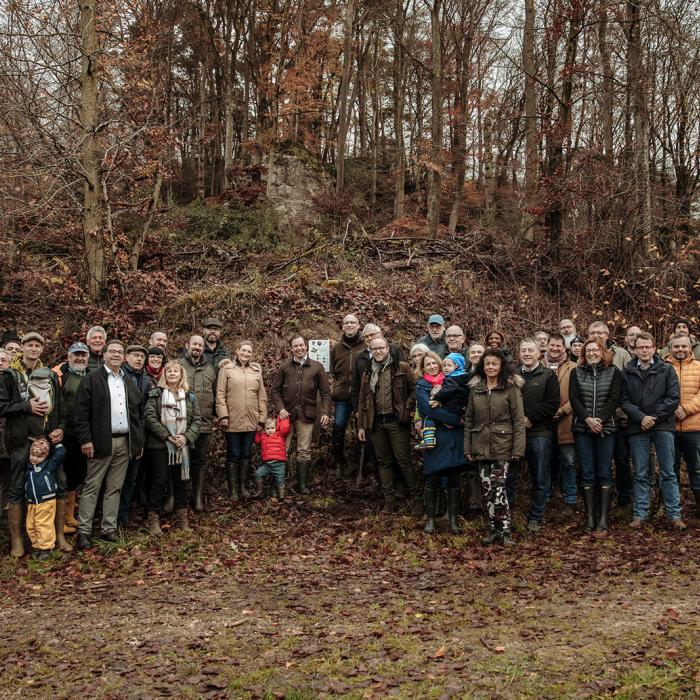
40 491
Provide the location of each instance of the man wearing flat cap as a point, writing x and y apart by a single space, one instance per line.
214 350
28 417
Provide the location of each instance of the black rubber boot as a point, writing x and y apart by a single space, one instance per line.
602 525
245 468
453 498
430 503
303 477
232 478
588 497
198 485
338 453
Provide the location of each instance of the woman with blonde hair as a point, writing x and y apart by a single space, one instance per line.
173 421
241 405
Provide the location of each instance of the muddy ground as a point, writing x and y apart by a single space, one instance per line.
323 597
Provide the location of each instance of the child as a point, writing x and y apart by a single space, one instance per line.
273 447
40 491
451 393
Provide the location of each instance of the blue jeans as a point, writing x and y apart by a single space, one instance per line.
343 411
275 467
128 488
688 446
623 469
239 445
567 473
538 452
640 448
595 453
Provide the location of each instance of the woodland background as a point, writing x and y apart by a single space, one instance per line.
505 163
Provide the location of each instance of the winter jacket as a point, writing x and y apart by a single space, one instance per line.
454 394
438 346
403 399
273 448
40 484
241 396
540 399
296 387
654 392
70 383
214 357
493 424
92 418
95 361
694 348
142 380
14 407
565 435
202 380
344 355
594 392
156 433
688 373
362 362
448 452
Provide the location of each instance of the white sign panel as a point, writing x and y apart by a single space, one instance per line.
320 350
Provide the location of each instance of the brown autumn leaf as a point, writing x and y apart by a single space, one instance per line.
439 654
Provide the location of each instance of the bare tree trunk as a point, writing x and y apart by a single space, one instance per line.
606 97
399 86
201 136
343 99
436 125
152 208
375 118
531 170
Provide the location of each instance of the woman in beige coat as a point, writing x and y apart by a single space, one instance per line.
241 405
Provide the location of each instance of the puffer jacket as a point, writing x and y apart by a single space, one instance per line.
403 397
273 448
594 392
494 427
694 349
156 433
688 373
202 380
241 396
344 355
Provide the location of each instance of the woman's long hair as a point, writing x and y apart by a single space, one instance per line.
504 376
238 347
182 384
606 357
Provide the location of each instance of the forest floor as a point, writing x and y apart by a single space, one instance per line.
323 597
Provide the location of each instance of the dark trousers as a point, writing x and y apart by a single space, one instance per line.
434 481
538 451
161 471
239 445
199 453
75 463
623 468
393 441
128 488
343 411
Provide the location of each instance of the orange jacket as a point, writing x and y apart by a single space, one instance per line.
688 373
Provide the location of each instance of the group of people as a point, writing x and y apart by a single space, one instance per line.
128 424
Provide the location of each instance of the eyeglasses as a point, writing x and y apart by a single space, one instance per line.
379 349
454 335
593 351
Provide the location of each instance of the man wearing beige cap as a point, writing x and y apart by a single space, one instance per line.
28 417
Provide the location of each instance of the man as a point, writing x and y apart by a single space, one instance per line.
158 339
70 375
294 394
540 403
650 396
96 338
435 337
568 329
133 368
27 417
214 350
4 457
688 413
542 338
623 468
386 406
10 342
456 341
631 335
202 380
563 455
682 327
108 424
344 356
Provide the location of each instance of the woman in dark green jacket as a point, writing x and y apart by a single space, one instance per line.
494 435
172 421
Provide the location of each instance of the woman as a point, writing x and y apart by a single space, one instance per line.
575 348
476 350
415 357
594 393
173 421
497 341
154 363
446 458
241 404
494 435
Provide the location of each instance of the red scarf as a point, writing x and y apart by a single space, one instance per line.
155 373
439 378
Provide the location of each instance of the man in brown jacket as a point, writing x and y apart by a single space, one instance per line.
386 405
563 469
294 394
344 355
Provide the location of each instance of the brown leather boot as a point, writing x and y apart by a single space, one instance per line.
180 520
59 521
153 524
15 511
71 524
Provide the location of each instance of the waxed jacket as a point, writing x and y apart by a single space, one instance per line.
241 396
156 433
494 428
296 388
403 399
688 372
201 378
654 392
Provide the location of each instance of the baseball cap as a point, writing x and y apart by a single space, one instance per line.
212 321
436 318
78 347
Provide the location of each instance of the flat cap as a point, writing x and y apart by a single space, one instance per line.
33 335
137 348
212 321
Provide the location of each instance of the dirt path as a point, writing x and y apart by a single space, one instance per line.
319 600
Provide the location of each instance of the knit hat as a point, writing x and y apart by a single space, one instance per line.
681 320
155 350
458 359
9 337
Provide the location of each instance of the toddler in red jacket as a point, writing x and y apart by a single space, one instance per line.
273 448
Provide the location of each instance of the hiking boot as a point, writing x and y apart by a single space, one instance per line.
259 489
153 524
697 503
569 510
180 520
678 524
40 554
108 537
637 524
533 527
83 541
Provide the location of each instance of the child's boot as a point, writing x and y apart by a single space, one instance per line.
429 439
258 488
280 492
